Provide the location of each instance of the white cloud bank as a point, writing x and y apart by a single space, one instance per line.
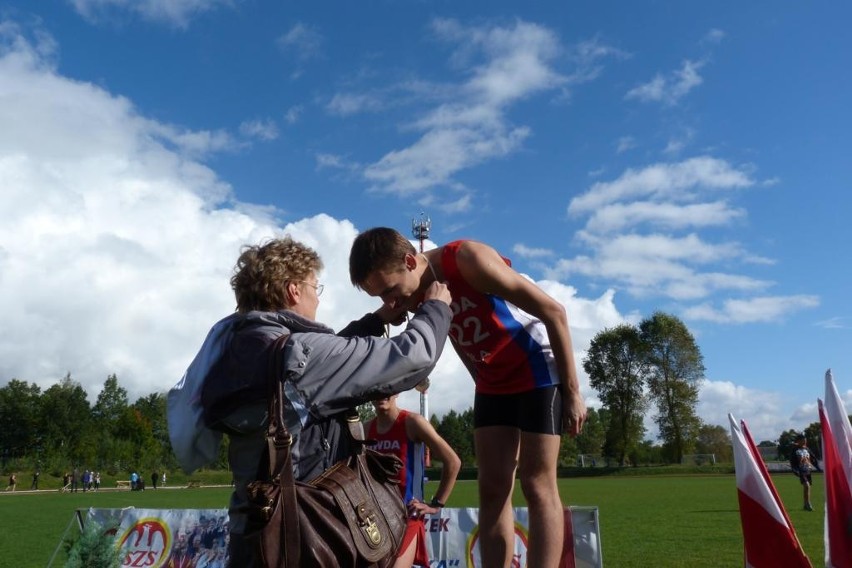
647 230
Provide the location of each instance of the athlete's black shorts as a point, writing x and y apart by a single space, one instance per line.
538 411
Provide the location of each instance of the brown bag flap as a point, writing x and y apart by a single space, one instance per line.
370 532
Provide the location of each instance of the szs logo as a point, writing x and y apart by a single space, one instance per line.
146 544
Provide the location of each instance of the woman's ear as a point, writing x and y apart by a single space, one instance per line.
294 293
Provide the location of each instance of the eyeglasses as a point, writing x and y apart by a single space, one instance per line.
318 287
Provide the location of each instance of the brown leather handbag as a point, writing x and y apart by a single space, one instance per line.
351 515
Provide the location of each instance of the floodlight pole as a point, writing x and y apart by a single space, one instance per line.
420 230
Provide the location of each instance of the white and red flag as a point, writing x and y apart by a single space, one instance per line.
837 467
768 535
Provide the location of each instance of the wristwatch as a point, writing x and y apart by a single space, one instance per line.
435 504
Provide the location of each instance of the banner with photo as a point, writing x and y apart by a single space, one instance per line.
154 538
454 538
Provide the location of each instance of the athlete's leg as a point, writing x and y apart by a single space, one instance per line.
806 491
406 558
537 473
496 460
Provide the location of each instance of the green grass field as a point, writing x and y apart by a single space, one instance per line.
690 521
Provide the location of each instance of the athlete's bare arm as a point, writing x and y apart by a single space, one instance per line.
420 430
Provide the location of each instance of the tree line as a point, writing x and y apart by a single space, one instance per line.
655 366
58 429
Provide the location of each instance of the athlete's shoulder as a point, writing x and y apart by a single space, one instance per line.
415 425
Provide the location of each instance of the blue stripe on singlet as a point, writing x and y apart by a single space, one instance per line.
536 359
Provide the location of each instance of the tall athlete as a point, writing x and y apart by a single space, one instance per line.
403 434
514 340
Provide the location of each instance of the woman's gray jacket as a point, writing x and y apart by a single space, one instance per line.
324 376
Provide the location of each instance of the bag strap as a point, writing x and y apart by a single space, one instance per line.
278 445
356 431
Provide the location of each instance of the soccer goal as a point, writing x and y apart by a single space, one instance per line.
698 459
589 460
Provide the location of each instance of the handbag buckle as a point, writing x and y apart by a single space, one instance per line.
369 526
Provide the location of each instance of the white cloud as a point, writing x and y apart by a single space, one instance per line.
336 162
713 36
440 153
346 104
459 205
176 13
261 129
304 41
293 114
655 265
642 232
750 310
678 142
808 412
675 181
588 55
669 90
624 144
761 410
621 216
502 66
195 143
529 252
833 323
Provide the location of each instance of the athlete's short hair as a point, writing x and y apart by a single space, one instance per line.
380 248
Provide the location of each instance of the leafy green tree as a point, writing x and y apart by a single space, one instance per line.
19 417
614 440
111 403
591 438
568 451
617 369
66 421
646 453
109 419
457 430
676 369
132 427
716 440
813 434
152 408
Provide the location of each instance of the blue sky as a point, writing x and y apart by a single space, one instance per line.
628 156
